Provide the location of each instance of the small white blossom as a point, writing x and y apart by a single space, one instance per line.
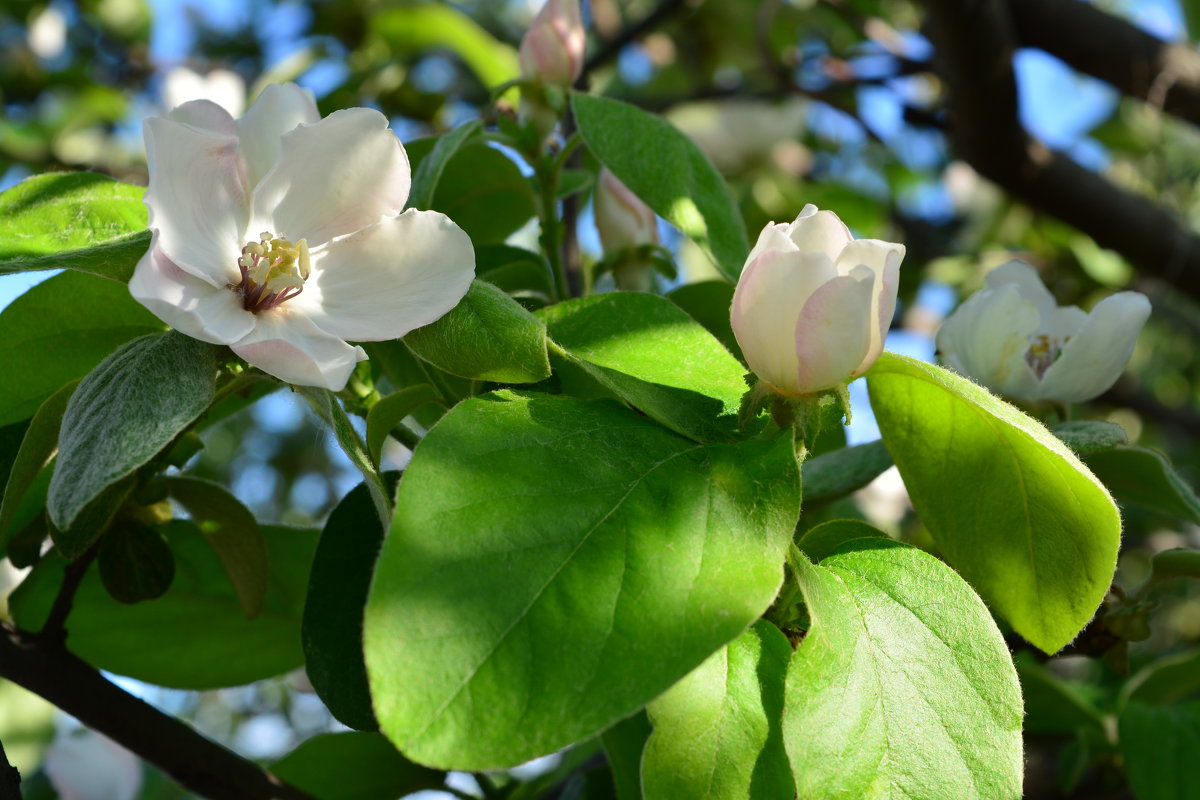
813 305
1012 337
281 235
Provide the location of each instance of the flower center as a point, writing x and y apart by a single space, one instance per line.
273 271
1043 352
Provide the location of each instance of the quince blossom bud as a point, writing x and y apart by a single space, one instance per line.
813 304
552 49
623 221
1012 337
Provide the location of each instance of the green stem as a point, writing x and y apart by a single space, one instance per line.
548 217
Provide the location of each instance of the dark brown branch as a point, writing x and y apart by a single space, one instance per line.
54 631
974 41
1164 74
611 48
10 778
199 764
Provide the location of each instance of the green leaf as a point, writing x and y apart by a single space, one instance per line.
353 766
426 176
1144 477
1161 747
518 272
333 615
668 172
1178 562
481 189
708 302
73 220
716 732
232 532
488 336
824 539
1165 681
903 687
331 412
413 28
123 414
1052 705
37 450
390 411
837 473
193 637
601 560
1089 436
57 332
1011 507
136 563
624 744
652 355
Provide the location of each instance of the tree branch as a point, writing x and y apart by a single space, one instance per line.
974 42
611 48
1165 75
197 763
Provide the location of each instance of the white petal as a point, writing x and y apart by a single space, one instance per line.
833 333
278 110
197 198
886 282
1025 278
290 347
873 253
1063 322
766 305
820 232
987 338
1093 359
334 177
381 282
186 303
774 236
205 115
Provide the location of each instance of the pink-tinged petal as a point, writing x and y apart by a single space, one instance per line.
774 236
883 306
552 49
333 178
820 231
873 253
833 333
289 346
1093 359
767 302
204 115
277 111
381 282
186 303
197 197
987 338
1025 279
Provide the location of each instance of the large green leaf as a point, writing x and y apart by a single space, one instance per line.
716 732
1011 507
193 637
903 687
487 336
57 331
1161 747
624 744
73 220
668 172
123 413
37 450
426 176
839 472
353 766
708 302
337 594
652 355
554 564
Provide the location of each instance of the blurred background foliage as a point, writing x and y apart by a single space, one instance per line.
832 102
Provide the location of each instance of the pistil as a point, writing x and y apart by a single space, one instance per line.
273 269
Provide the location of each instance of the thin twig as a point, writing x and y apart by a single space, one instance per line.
54 631
197 763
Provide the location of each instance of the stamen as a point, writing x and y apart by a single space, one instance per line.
273 271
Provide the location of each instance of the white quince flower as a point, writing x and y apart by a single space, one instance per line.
281 235
622 219
813 305
222 86
85 765
1012 337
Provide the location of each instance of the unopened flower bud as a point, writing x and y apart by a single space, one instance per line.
623 221
552 49
1012 337
813 304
